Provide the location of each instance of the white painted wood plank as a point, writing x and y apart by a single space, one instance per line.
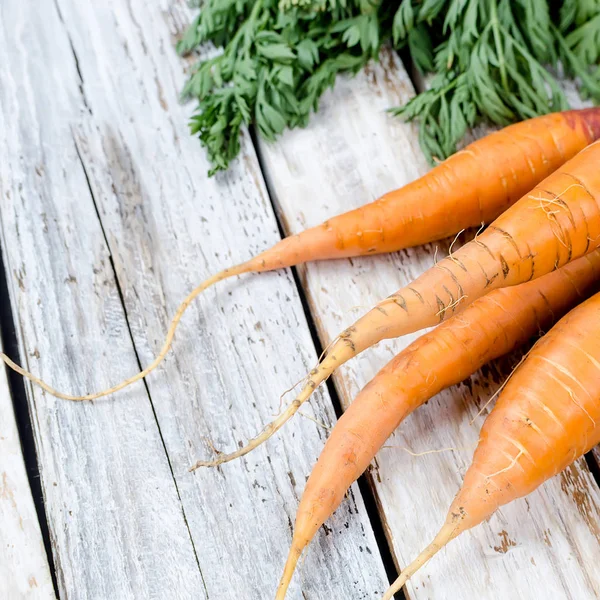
115 519
167 227
24 570
547 544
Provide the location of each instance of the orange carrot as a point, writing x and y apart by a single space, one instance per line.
471 187
487 329
547 416
555 223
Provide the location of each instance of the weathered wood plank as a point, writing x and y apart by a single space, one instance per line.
546 544
24 570
167 226
115 519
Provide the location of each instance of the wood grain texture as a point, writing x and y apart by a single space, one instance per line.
24 570
128 520
546 544
115 518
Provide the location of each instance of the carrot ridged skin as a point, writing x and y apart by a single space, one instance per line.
547 416
473 186
554 224
490 327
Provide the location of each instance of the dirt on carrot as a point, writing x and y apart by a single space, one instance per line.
547 416
552 225
490 327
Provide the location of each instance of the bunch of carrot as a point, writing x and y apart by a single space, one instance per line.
538 185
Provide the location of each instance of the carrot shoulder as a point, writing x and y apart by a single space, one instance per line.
547 416
555 223
471 187
488 328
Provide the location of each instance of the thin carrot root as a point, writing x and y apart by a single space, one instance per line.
497 392
448 532
225 274
317 376
433 451
316 421
288 571
270 429
290 389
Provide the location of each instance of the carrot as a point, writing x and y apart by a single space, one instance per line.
547 416
557 222
487 329
471 187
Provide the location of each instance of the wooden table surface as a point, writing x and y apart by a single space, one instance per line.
107 220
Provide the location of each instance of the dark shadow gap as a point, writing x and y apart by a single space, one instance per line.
593 466
16 387
416 77
363 482
366 489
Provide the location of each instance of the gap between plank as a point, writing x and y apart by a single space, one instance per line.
137 358
364 483
593 466
23 418
416 77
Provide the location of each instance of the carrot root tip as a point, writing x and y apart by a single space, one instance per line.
448 532
288 571
269 430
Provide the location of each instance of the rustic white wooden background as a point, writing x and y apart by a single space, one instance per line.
107 219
